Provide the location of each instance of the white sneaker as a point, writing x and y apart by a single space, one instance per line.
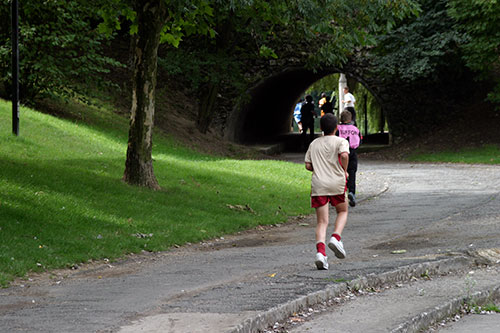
337 247
321 261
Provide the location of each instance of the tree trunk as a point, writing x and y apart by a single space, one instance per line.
206 107
209 91
139 163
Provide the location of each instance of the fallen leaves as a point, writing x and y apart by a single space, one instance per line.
243 208
141 235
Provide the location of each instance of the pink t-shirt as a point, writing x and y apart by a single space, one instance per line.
350 132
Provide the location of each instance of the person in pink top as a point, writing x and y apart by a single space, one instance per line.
349 131
327 158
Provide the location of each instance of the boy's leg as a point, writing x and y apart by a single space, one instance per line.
311 137
322 223
352 168
351 182
353 113
321 227
305 145
341 219
335 244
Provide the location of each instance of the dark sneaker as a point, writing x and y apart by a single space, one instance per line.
321 261
352 199
337 247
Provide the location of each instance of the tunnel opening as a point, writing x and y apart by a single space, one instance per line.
370 118
266 116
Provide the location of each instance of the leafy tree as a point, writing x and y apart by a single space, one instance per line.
256 22
420 70
153 22
257 33
417 47
60 49
479 20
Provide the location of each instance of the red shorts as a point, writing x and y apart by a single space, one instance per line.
321 200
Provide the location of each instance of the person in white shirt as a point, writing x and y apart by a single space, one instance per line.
349 101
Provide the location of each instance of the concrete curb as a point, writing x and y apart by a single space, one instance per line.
404 273
281 312
431 317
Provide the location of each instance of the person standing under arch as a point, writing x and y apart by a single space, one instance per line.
307 116
322 101
348 102
327 107
296 115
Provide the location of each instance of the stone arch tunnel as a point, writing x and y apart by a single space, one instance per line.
266 113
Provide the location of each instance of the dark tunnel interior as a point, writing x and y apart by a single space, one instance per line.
268 114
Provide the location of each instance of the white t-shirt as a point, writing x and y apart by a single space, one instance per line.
349 100
328 177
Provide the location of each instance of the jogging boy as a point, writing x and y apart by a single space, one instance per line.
328 158
349 131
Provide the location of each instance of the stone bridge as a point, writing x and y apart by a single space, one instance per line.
409 107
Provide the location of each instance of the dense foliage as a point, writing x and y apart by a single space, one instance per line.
427 63
419 46
479 20
60 48
252 36
228 46
447 33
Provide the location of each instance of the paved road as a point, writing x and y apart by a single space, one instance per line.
404 307
433 212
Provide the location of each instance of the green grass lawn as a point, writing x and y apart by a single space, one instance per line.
488 154
62 201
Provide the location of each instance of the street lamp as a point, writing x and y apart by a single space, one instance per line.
15 67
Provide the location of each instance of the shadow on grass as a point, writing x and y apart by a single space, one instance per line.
62 200
59 212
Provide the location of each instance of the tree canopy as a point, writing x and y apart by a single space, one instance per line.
419 45
340 26
60 48
479 21
62 44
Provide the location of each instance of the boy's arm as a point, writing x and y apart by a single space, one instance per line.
309 166
344 161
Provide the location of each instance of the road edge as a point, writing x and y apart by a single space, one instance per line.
281 312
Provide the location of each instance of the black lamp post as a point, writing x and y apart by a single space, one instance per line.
15 67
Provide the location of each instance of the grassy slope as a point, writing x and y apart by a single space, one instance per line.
487 154
62 201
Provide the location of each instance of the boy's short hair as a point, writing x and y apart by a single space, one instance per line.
328 123
309 98
345 117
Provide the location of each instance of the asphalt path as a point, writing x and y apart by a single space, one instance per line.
407 214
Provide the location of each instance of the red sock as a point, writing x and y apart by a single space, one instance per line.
320 246
337 236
